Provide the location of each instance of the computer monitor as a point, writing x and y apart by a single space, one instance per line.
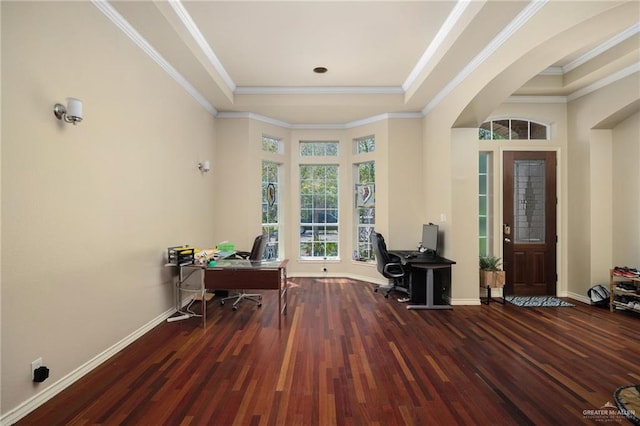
430 238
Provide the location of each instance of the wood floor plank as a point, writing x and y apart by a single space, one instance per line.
348 356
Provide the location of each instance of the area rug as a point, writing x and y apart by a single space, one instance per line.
537 301
628 401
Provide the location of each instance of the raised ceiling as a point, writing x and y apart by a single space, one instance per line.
383 57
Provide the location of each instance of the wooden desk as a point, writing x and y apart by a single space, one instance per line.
241 274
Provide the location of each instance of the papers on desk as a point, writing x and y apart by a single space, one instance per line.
224 254
205 255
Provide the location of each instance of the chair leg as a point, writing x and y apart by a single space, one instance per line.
391 288
240 296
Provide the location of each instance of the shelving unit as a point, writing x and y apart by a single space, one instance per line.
616 293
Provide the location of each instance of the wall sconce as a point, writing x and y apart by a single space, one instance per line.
204 166
72 113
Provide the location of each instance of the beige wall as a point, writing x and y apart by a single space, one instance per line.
88 210
626 192
586 163
405 184
601 206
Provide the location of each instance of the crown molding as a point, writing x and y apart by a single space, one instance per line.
437 41
329 126
625 72
253 116
617 39
193 29
143 44
530 10
536 100
319 90
552 71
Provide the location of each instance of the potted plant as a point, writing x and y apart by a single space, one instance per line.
490 273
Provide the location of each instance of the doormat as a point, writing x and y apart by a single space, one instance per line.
537 301
628 401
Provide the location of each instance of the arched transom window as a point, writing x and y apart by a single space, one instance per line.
513 129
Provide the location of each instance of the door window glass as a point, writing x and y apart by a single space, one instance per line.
528 201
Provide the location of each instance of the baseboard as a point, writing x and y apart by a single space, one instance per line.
578 297
465 302
17 413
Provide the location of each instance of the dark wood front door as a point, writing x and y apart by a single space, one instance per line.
529 229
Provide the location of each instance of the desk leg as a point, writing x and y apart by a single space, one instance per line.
203 295
178 299
284 289
429 304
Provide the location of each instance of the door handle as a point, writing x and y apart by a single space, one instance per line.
507 240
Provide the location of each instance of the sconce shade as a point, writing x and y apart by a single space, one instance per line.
72 113
74 108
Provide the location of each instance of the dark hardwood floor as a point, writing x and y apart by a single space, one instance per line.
346 355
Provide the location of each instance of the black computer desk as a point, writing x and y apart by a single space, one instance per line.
428 273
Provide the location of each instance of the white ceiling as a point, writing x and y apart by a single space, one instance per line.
383 57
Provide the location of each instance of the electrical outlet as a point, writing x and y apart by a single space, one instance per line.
35 364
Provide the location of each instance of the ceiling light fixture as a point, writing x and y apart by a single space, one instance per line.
320 70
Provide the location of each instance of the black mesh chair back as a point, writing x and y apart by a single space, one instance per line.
380 250
257 251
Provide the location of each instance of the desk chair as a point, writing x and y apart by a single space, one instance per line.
256 253
389 265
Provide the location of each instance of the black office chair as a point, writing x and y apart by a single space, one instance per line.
389 265
256 253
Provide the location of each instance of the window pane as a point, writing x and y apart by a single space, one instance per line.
365 145
538 131
519 129
483 226
482 162
528 199
306 149
305 201
484 132
270 207
319 201
271 144
319 173
482 249
501 129
319 219
364 210
331 149
483 184
482 205
319 149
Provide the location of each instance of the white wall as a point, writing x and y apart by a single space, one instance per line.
88 210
